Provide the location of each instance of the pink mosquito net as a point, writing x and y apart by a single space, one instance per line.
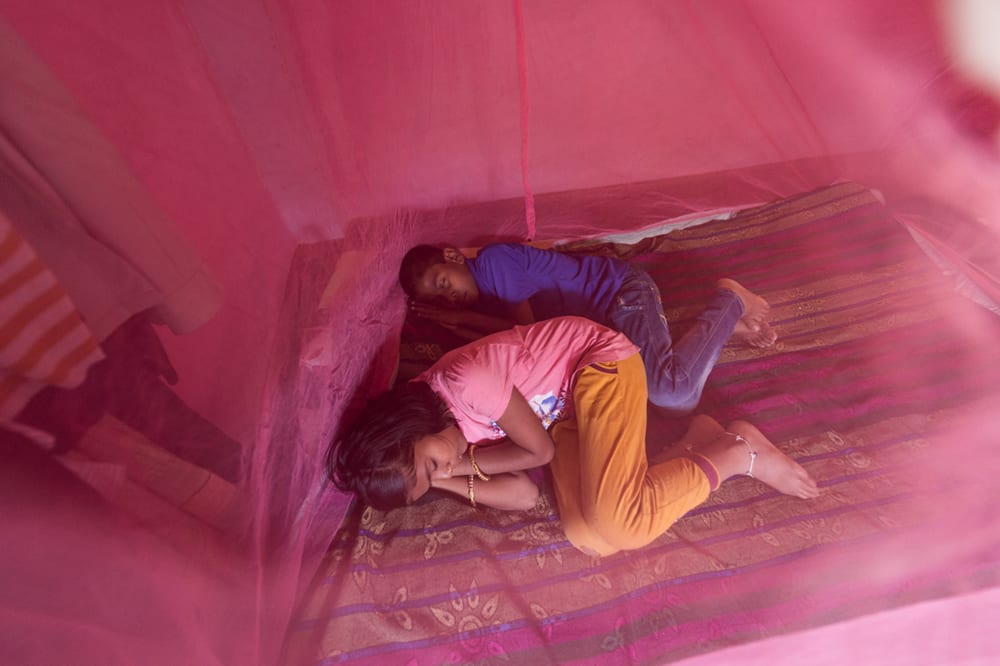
163 162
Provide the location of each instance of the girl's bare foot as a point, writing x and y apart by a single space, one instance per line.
773 467
755 308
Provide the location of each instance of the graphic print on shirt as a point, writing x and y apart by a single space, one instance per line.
549 409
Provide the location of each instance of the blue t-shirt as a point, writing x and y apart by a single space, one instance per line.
554 283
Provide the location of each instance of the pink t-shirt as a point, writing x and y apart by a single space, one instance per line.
541 360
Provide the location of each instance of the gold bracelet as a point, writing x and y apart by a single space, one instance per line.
472 490
475 468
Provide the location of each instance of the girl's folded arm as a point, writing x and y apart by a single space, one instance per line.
529 446
510 491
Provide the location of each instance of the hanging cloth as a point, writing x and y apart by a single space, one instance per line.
43 341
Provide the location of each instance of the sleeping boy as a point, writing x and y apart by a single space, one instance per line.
455 291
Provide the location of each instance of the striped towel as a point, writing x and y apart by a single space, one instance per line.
43 341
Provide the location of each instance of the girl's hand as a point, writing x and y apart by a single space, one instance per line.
510 491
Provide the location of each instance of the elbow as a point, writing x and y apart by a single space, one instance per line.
546 455
528 498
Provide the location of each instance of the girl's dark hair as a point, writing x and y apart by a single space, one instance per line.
416 262
373 458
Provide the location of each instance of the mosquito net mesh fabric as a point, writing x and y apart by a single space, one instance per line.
165 164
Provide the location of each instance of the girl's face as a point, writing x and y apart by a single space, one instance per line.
435 457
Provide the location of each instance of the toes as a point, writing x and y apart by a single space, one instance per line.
808 488
765 337
809 492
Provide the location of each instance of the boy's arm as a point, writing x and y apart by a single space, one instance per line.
529 444
453 319
511 491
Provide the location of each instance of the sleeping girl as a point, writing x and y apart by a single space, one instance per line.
565 392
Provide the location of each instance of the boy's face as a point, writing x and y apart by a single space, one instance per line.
449 285
434 458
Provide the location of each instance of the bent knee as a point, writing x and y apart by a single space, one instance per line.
622 533
620 538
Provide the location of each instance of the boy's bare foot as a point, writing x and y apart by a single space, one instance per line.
755 308
763 337
772 466
752 326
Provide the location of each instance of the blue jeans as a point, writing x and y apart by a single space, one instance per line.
676 372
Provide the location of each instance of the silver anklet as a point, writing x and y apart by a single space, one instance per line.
753 454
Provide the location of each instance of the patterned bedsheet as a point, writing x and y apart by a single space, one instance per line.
871 375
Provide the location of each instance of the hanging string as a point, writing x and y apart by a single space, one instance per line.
522 77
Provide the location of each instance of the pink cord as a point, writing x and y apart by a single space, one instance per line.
522 76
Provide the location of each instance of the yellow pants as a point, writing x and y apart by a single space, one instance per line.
609 498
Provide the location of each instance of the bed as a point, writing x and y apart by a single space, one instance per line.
881 371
